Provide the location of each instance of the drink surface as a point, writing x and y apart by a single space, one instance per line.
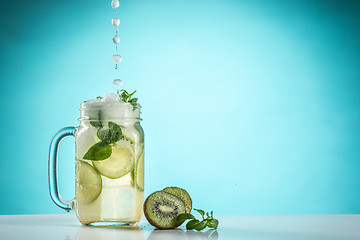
109 162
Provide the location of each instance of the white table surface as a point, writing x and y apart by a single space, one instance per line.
289 227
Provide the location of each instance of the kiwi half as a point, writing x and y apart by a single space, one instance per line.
162 208
182 194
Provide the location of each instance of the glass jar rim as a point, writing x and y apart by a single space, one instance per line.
109 110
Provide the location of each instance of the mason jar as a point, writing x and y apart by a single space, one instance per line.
109 163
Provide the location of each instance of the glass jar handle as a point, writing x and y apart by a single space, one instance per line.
53 179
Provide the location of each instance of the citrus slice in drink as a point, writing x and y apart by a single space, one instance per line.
140 172
120 163
134 133
88 183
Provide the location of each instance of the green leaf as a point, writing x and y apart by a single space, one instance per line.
104 134
184 216
134 100
123 95
212 223
111 134
96 124
201 225
201 212
126 97
114 128
99 151
115 131
130 95
133 103
192 224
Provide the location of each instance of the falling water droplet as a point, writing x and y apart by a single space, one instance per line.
118 82
115 4
116 58
115 22
116 39
116 66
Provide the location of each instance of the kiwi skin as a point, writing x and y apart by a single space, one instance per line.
182 194
154 223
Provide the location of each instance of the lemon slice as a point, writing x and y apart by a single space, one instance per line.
140 172
88 183
120 163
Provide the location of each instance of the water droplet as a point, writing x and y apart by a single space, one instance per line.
116 58
115 4
116 66
116 39
115 22
118 82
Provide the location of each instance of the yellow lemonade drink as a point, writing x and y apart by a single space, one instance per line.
109 169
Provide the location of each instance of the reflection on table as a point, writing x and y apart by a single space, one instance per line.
137 233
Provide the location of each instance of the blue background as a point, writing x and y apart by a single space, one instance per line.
252 106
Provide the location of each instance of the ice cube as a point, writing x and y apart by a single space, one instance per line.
111 97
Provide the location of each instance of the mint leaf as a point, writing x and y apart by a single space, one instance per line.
115 131
201 225
130 95
192 224
184 216
123 95
212 223
99 151
201 212
111 134
195 224
96 124
126 97
104 134
133 103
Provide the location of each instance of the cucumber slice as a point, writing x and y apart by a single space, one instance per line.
140 173
88 183
120 163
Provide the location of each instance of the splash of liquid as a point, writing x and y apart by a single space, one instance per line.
117 82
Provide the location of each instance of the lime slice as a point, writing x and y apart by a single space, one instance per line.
140 172
88 183
134 133
120 163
